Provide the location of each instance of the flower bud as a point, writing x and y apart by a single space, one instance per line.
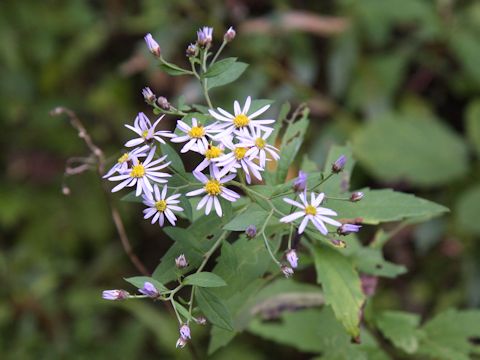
251 231
192 50
205 36
152 45
292 258
339 164
181 262
357 196
163 103
300 183
181 342
338 243
148 95
346 229
229 35
115 294
65 190
201 320
287 271
149 289
185 331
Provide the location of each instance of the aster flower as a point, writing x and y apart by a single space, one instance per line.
144 128
287 271
181 261
241 119
148 95
195 135
292 258
211 153
160 206
300 183
205 35
251 231
311 211
149 289
114 294
229 34
185 331
257 144
346 229
181 342
141 174
152 45
213 187
339 164
124 161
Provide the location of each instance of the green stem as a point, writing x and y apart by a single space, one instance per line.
218 52
176 312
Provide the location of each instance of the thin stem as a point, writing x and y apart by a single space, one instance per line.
212 250
267 245
337 198
190 303
204 81
176 312
218 52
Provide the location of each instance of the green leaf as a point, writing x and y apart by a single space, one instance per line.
371 261
252 215
467 210
214 309
138 281
387 205
232 74
184 237
472 125
219 67
422 152
172 69
183 311
204 279
173 157
131 197
400 328
341 286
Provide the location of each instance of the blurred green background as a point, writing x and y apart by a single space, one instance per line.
399 80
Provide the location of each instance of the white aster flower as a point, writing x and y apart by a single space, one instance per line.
141 174
213 187
126 160
257 144
210 154
195 135
238 159
160 206
144 128
241 119
311 212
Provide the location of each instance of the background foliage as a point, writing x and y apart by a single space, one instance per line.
400 82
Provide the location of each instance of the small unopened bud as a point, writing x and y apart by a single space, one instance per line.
357 196
201 320
181 262
230 34
339 164
152 45
292 258
148 95
192 50
181 342
369 284
65 190
287 271
205 36
346 229
115 294
251 231
149 289
300 183
185 331
163 103
338 243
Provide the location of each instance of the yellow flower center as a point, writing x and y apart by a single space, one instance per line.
310 210
196 132
161 205
138 171
144 134
212 187
213 152
240 152
241 121
123 158
260 143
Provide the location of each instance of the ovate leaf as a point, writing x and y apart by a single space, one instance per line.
204 279
214 309
219 67
233 73
468 209
400 328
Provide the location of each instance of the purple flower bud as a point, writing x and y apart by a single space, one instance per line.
185 332
251 231
229 35
339 164
292 258
163 103
300 183
181 262
181 342
200 320
192 50
346 229
148 95
205 36
115 294
357 196
287 271
338 243
149 289
152 45
369 284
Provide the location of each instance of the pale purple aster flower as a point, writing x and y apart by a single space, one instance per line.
292 258
160 206
357 196
229 35
213 187
144 128
126 160
251 231
241 119
185 331
140 174
257 144
152 45
181 342
149 289
346 229
148 95
287 271
196 135
191 50
339 164
115 294
211 153
205 36
300 183
181 261
311 211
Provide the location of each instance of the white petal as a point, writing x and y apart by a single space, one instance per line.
292 217
303 225
294 203
258 112
218 208
246 107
